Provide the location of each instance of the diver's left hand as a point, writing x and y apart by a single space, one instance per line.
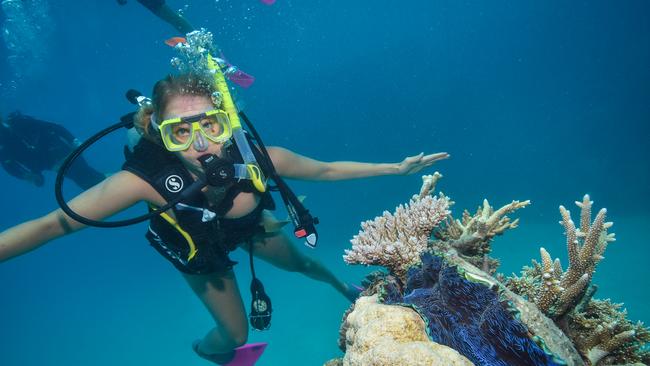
414 164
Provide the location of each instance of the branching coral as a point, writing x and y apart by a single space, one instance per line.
609 337
559 292
471 237
396 240
599 330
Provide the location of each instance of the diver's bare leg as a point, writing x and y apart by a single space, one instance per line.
279 250
220 295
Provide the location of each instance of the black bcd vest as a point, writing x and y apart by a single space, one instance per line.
196 218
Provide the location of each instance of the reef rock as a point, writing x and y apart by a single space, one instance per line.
388 335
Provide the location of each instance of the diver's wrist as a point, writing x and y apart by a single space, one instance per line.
391 169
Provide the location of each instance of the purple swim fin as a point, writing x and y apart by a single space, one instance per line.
268 2
239 77
234 74
247 354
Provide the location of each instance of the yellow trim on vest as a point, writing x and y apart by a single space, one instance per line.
256 177
187 236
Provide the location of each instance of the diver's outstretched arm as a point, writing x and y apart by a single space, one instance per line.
291 165
116 193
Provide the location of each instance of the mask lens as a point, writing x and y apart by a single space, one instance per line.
211 126
180 132
176 135
216 126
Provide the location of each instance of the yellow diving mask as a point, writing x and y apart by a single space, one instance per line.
178 133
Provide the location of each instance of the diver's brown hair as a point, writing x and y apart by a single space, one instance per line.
163 91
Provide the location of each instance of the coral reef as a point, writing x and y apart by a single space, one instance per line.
547 316
376 282
600 331
561 291
387 335
607 335
396 240
471 237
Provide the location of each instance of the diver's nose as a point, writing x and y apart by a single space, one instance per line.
200 142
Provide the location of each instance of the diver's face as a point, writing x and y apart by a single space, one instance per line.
190 105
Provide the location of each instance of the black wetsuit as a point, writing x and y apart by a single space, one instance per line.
29 146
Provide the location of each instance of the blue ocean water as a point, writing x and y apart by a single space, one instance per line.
544 101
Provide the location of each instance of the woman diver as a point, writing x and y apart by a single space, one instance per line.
182 125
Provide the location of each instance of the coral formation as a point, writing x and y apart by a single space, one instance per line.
561 291
607 335
396 240
377 282
601 332
387 335
471 237
546 316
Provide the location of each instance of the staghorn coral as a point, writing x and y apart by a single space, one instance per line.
471 237
561 291
386 335
600 332
396 240
555 291
469 316
610 338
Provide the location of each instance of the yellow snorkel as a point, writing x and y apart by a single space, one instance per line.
253 169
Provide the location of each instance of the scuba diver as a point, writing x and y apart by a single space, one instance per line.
29 146
164 12
190 136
